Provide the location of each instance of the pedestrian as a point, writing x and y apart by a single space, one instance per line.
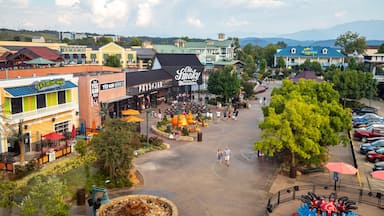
227 156
264 100
219 155
261 100
159 114
225 115
236 114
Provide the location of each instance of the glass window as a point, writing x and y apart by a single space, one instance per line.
16 105
62 127
41 103
61 97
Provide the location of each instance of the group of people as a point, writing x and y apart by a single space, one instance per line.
231 115
226 154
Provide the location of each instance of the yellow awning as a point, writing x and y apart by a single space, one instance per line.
130 112
133 119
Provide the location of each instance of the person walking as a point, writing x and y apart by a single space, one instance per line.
227 156
219 155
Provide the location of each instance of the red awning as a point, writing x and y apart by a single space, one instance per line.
53 136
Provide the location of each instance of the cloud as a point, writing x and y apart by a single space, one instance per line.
340 14
234 22
145 12
67 3
254 3
195 22
17 3
109 13
64 19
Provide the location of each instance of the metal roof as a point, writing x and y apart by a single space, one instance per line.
309 51
21 91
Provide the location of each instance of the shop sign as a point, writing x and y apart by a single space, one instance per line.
111 85
187 76
48 84
308 51
95 91
150 86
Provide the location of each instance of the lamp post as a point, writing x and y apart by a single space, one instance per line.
146 117
96 202
370 91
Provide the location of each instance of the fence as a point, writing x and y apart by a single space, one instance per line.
294 193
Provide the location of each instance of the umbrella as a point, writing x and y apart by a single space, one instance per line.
82 129
73 132
40 61
378 174
130 112
341 167
53 136
133 119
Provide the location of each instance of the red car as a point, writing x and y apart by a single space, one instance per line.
376 156
364 134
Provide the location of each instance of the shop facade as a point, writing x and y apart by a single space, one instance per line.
37 106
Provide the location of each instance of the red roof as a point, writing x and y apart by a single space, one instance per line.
36 52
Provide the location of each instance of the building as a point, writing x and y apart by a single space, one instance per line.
16 45
41 105
25 54
74 54
297 55
39 39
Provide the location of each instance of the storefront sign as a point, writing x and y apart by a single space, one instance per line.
95 92
111 85
48 84
308 51
150 86
187 76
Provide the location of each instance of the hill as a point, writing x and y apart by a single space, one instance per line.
26 35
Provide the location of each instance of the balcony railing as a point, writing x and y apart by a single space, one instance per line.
39 113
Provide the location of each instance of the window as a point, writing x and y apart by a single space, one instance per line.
293 50
41 103
61 97
325 51
62 127
16 105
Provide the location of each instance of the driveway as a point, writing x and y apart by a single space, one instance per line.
189 174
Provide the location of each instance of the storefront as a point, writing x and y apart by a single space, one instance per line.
186 71
148 88
35 107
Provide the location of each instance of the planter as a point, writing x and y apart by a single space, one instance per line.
139 205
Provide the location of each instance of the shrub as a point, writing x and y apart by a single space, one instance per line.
185 131
155 141
168 129
81 146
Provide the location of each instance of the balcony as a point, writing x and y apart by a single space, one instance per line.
40 113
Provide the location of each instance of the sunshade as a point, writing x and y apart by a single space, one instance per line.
40 61
73 132
378 174
132 119
53 136
341 167
130 112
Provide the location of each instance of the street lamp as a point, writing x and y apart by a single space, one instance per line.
97 202
146 117
370 91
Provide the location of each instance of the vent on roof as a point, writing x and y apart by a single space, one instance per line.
293 50
325 51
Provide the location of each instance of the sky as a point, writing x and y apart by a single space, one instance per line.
192 18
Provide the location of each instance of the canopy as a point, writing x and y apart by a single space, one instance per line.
341 167
53 136
130 112
133 119
378 174
40 61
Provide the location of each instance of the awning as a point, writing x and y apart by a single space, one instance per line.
117 99
31 90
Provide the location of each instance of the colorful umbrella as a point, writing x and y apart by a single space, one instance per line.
341 167
378 174
130 112
133 119
73 132
53 136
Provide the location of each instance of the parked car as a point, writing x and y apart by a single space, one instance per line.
378 166
376 156
367 147
364 134
374 124
364 110
367 117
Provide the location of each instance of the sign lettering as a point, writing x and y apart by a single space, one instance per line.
49 84
117 84
187 76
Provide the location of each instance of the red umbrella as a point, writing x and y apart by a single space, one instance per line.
341 167
53 136
378 174
73 133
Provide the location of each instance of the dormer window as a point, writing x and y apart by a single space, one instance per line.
325 51
293 50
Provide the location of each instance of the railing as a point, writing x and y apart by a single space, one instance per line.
371 198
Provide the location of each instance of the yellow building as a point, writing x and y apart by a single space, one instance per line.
54 46
41 105
127 56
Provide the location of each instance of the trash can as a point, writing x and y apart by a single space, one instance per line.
199 136
80 196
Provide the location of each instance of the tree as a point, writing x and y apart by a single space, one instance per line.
103 41
45 197
17 136
351 42
250 67
268 53
263 66
114 147
280 62
381 48
134 41
224 83
112 61
7 191
248 89
301 120
281 44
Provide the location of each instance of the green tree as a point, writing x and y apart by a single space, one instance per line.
268 53
281 44
301 120
280 62
134 41
112 61
45 197
224 83
350 42
250 67
114 147
352 64
103 41
248 89
381 48
17 136
263 66
7 191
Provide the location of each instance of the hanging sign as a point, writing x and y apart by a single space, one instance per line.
95 92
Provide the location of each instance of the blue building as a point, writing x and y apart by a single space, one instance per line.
297 55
